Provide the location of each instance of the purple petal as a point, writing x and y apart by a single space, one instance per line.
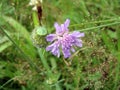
72 49
58 28
50 37
54 48
77 34
78 43
56 51
62 28
50 47
66 53
67 22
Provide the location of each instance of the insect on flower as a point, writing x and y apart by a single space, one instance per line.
64 41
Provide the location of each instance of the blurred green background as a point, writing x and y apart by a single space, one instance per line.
95 66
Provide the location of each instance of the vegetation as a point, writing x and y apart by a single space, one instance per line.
95 66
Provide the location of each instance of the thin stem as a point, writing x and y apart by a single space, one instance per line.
102 21
87 29
40 50
10 80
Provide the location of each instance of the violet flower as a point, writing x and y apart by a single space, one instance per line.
64 41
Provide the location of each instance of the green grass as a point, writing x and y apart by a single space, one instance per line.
95 66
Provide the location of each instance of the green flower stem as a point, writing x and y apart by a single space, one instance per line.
35 19
50 75
101 26
44 61
95 22
40 50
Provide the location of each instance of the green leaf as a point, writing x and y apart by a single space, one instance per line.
107 41
5 45
18 27
3 39
112 34
27 47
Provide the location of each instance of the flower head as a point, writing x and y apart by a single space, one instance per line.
63 40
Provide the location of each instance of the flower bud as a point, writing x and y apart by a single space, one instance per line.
38 36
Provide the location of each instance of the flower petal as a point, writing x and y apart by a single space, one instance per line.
56 51
54 48
62 28
67 22
50 37
78 43
50 47
72 49
77 34
58 28
66 52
